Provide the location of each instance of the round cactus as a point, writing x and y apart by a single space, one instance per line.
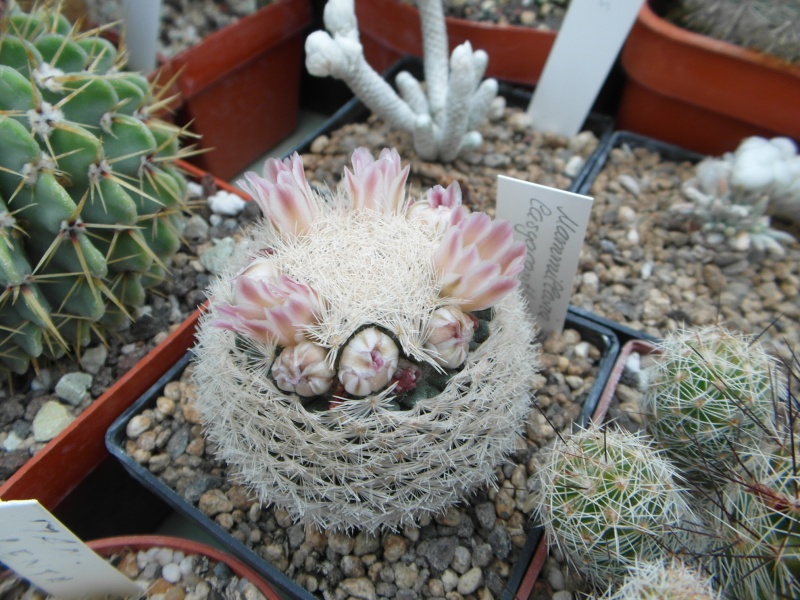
666 580
89 197
710 392
368 360
758 554
609 500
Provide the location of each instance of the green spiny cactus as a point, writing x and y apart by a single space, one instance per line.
759 529
609 500
710 393
771 26
666 580
90 200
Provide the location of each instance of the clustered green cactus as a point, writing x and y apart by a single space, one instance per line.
710 395
664 580
609 500
90 198
771 26
723 415
759 525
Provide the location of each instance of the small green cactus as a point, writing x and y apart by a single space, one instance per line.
665 580
710 393
90 199
609 500
770 26
759 528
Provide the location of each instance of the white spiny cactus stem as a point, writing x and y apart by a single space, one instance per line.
340 18
460 89
434 52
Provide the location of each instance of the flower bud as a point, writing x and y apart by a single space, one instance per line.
368 362
303 369
451 332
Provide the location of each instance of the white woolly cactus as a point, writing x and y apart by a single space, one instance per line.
664 580
369 359
731 198
443 115
609 500
710 393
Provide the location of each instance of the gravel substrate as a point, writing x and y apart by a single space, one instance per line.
184 23
470 549
635 270
162 574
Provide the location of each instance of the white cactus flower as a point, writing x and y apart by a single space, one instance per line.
451 332
368 362
303 369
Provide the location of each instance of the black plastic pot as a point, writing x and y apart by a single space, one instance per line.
524 572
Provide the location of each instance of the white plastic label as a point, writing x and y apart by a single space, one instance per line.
586 46
552 223
38 547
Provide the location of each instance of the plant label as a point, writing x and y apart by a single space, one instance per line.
38 547
552 223
586 46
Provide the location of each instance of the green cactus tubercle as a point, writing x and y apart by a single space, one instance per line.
90 199
712 391
608 500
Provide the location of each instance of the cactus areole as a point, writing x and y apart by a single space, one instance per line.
89 197
367 359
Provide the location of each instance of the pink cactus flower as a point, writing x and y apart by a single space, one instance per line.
477 261
283 195
451 332
303 369
378 185
368 362
271 310
441 208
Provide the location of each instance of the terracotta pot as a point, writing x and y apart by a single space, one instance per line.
107 547
701 93
390 29
240 86
57 469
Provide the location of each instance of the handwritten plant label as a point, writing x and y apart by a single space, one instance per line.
38 547
552 223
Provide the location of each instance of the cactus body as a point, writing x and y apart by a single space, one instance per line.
710 393
609 500
89 203
329 378
759 554
668 580
770 26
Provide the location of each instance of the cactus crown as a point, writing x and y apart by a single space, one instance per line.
608 499
771 26
711 393
90 199
381 344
